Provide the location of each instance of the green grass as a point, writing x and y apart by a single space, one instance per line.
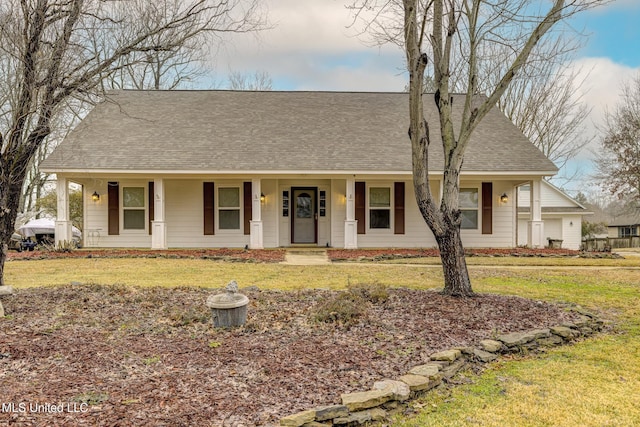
210 274
595 382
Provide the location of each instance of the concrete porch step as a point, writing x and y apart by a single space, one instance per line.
306 256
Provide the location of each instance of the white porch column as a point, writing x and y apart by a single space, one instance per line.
158 225
256 238
63 225
351 224
535 231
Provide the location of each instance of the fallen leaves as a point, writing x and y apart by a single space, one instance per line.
151 356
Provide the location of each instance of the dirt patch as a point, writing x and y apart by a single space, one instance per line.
150 356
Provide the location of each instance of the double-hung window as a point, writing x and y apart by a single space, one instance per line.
133 208
469 208
379 207
229 208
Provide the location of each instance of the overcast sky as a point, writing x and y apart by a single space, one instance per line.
311 47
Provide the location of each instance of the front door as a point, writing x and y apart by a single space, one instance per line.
304 224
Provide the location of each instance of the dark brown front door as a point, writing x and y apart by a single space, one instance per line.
305 216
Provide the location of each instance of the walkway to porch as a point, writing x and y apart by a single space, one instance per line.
306 256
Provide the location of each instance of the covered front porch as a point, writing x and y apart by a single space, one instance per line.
344 211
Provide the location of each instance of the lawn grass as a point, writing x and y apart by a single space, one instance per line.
211 274
595 382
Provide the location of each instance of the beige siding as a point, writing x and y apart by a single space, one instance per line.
184 217
96 217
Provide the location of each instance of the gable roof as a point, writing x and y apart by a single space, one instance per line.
554 200
238 131
626 220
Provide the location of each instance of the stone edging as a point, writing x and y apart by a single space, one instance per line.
389 395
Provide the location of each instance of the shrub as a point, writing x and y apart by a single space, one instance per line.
345 307
375 293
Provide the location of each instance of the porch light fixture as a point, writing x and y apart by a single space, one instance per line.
95 196
262 197
504 198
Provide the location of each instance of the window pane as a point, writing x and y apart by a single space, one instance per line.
229 219
133 197
229 197
379 218
133 219
468 198
379 197
469 220
303 207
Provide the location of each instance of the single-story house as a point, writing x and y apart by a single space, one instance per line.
169 169
625 226
562 216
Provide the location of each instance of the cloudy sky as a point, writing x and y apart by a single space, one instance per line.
311 47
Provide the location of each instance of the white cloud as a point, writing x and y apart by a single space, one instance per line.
603 83
312 48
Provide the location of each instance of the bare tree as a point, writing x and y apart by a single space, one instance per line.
49 56
432 31
543 100
260 80
618 161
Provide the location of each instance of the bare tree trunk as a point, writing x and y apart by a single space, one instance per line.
9 209
454 265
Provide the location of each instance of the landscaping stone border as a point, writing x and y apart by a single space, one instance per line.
389 396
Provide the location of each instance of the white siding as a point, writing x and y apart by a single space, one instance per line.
96 218
185 220
572 231
549 196
418 234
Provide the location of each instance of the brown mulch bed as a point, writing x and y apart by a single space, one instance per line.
384 254
126 356
223 254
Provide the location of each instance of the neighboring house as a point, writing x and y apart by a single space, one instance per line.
561 214
625 226
164 169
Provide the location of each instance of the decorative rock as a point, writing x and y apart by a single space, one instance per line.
551 341
400 390
491 346
516 338
315 424
453 369
416 382
564 332
465 350
378 414
582 321
484 356
366 399
428 370
299 419
324 413
447 355
355 418
540 333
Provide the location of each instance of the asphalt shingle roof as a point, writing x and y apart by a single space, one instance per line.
233 131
